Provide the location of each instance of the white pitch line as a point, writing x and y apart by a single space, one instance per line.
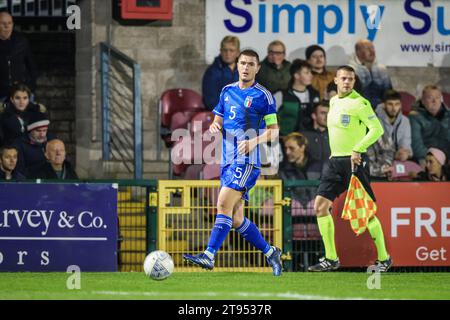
287 295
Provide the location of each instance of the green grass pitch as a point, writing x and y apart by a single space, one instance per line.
226 286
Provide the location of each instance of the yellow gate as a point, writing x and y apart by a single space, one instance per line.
186 215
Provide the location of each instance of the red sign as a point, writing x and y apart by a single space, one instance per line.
416 223
147 9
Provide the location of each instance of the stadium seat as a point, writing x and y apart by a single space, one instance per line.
446 98
305 231
193 172
201 121
177 106
211 171
407 100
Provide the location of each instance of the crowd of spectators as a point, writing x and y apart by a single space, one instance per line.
418 141
27 149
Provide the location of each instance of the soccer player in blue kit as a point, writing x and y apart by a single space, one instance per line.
242 108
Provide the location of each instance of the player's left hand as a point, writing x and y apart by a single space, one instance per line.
246 146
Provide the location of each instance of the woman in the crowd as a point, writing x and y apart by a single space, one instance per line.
16 112
436 168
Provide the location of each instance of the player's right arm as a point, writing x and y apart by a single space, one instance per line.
219 111
217 124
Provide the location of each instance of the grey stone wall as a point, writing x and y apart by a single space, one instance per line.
54 53
170 56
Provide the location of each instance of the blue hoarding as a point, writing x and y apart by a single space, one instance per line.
48 227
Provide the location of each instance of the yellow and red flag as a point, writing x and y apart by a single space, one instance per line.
359 206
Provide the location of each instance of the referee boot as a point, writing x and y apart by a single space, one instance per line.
325 265
275 261
382 266
201 260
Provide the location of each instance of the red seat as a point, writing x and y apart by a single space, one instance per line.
176 108
211 171
201 121
446 98
193 172
407 100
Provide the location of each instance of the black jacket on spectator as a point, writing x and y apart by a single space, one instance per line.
16 63
13 123
30 154
16 176
45 171
310 171
318 145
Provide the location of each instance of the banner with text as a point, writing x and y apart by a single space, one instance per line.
48 227
416 223
405 32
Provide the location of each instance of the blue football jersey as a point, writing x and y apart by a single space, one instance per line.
243 112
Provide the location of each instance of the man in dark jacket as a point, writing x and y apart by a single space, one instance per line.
16 61
8 162
274 72
430 124
56 167
319 145
223 71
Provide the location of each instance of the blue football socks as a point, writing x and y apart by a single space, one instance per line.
219 233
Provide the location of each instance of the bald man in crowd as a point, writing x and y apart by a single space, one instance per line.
16 60
374 77
56 167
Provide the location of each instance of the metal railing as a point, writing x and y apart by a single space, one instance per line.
121 109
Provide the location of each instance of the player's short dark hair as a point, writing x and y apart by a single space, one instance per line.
346 68
391 95
297 65
298 137
248 53
321 103
7 147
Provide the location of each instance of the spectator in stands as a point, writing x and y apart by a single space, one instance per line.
295 104
8 162
298 164
395 143
274 71
15 114
374 77
318 146
56 167
221 72
436 168
316 57
16 60
430 124
31 148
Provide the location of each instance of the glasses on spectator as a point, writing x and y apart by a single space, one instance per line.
278 53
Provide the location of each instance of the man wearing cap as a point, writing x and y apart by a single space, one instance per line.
31 148
316 57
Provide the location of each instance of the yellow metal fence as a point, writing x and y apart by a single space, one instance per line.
186 215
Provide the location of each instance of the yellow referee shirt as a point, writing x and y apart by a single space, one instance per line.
348 119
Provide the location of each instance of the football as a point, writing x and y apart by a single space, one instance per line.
158 265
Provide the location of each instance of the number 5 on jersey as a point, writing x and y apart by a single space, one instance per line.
233 112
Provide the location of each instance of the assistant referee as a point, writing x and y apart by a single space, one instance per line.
352 127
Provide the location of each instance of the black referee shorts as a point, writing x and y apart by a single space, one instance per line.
336 176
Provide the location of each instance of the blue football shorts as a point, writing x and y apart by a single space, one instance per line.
240 177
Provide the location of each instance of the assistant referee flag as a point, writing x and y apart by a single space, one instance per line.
359 206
